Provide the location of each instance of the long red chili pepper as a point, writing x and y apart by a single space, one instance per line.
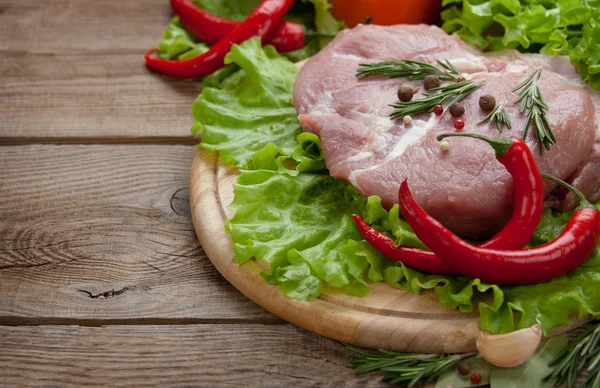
211 29
516 156
565 253
416 258
261 22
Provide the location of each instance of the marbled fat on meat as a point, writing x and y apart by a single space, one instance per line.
466 188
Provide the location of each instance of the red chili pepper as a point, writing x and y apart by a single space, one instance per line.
261 22
211 29
565 253
528 195
418 259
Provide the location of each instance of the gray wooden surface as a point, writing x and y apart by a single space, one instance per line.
102 279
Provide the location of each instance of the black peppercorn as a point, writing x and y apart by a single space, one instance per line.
464 368
457 109
405 94
487 102
431 81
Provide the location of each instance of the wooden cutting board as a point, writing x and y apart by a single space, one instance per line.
386 318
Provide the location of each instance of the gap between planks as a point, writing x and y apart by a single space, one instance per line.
77 140
11 321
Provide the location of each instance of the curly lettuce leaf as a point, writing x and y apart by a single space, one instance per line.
230 9
308 222
586 54
251 108
177 43
293 216
554 27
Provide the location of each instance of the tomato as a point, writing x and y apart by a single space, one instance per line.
386 12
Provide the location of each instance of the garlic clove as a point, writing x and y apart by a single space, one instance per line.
512 349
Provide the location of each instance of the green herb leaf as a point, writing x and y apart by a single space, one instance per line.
499 116
531 373
531 100
455 92
583 353
412 70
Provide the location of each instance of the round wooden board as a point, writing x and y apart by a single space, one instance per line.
386 318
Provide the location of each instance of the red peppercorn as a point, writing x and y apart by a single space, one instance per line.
460 79
438 110
475 378
459 125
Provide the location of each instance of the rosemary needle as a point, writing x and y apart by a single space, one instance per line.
531 99
413 70
406 369
500 117
583 350
458 91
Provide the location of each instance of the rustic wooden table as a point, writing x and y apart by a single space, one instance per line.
102 279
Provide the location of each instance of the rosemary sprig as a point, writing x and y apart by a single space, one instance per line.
459 91
500 116
531 99
583 350
406 369
413 70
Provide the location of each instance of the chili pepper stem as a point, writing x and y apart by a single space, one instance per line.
501 145
583 202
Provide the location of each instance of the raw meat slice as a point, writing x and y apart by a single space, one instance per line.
465 188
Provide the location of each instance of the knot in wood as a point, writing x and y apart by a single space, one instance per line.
180 203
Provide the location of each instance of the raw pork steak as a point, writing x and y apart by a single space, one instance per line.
465 188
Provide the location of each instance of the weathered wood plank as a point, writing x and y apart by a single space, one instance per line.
90 99
73 71
95 234
81 26
165 356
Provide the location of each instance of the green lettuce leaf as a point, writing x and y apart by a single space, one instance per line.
230 9
325 23
554 27
177 43
296 219
586 55
309 222
250 109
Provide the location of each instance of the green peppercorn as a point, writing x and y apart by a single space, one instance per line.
487 102
405 94
457 109
430 82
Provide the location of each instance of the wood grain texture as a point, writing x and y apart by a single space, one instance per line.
96 234
73 71
91 99
168 356
65 27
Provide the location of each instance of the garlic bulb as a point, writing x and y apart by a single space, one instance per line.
507 350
